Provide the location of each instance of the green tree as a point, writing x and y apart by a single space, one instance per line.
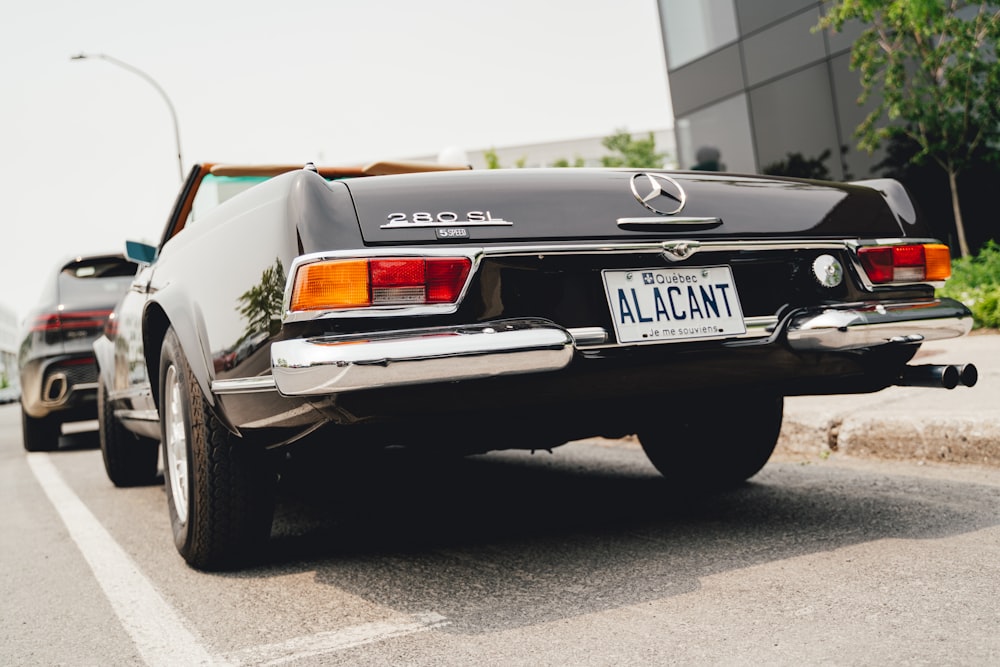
563 162
261 305
492 161
629 152
933 67
800 166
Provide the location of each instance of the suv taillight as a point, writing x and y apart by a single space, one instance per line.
70 319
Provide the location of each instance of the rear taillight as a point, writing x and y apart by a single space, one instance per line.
70 319
78 361
911 263
384 281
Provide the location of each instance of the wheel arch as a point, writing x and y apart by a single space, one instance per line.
188 326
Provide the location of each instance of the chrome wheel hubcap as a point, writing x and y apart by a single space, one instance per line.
175 442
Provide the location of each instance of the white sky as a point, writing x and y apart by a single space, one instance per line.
88 150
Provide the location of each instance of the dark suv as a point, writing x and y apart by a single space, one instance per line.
56 357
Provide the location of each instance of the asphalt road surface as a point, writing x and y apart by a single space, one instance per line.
581 557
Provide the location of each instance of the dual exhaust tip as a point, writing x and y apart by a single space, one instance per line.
942 376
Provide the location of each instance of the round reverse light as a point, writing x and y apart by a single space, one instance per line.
828 271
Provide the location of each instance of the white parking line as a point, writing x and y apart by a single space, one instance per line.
157 630
323 643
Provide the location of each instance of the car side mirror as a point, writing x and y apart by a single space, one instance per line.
140 253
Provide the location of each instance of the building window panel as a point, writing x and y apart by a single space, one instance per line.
713 78
692 29
767 53
795 115
754 14
724 127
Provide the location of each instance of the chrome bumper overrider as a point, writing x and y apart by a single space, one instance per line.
332 364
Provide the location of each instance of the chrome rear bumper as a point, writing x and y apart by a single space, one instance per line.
855 326
332 364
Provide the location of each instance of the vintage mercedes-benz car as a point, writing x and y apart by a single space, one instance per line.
462 311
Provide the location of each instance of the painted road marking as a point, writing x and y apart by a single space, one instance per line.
159 633
323 643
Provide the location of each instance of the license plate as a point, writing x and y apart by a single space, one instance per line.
670 304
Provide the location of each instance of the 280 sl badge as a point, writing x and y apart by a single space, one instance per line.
443 219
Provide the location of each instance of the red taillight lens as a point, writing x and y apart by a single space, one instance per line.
71 319
79 361
46 322
445 278
384 281
906 263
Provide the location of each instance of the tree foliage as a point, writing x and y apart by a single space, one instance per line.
629 152
261 305
491 158
799 166
563 162
930 67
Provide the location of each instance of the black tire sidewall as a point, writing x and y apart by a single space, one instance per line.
230 485
129 460
171 355
40 434
705 453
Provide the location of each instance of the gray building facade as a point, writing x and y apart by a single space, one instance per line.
752 79
8 351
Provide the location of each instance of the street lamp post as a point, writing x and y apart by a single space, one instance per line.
152 82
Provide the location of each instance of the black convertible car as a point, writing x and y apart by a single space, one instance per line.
461 311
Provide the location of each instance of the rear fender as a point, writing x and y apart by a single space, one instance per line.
189 326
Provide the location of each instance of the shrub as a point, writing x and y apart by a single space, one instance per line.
975 281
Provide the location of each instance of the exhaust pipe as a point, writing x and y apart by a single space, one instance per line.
969 375
938 376
55 388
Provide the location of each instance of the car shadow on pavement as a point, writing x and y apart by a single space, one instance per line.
508 539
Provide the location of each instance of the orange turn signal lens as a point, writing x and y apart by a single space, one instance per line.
938 259
329 285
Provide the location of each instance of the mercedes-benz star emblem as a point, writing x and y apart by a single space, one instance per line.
659 193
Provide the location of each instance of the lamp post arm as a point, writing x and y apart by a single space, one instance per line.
159 89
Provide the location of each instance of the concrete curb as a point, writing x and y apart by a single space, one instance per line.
908 423
944 439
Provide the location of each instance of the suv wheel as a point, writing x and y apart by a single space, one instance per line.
40 434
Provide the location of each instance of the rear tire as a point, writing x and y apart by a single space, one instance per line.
129 460
702 446
40 434
220 491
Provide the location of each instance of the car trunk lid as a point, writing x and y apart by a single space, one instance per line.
518 205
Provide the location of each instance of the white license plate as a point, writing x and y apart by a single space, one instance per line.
662 305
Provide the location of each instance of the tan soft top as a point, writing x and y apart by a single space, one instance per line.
379 168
